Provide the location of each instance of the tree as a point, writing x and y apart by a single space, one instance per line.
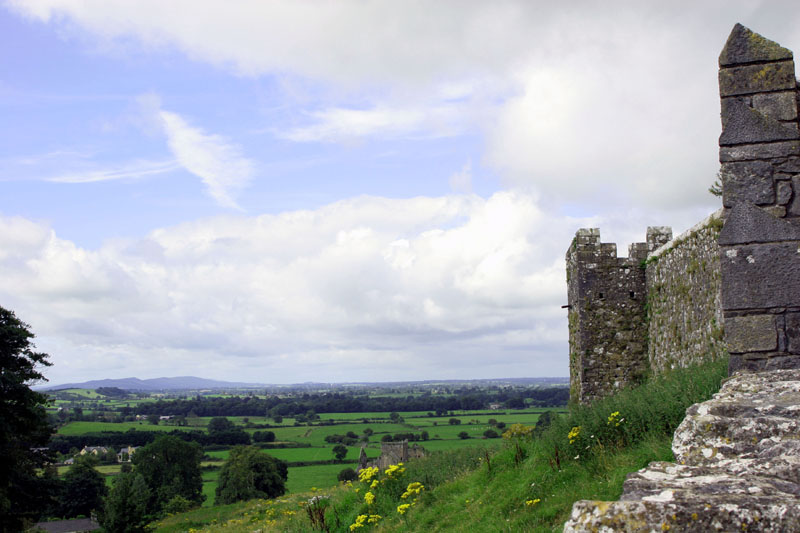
463 435
219 424
23 424
490 434
454 421
347 474
125 510
83 488
249 473
339 451
170 467
264 436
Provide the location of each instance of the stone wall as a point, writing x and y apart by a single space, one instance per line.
760 243
684 311
654 310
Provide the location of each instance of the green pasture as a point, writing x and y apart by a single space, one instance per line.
315 435
210 479
304 478
79 428
85 393
294 455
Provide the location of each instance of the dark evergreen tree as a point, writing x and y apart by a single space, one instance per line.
23 425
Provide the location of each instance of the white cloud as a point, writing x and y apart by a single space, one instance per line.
133 170
347 125
350 290
220 164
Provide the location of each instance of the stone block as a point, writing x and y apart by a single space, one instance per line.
750 79
746 46
793 209
793 333
782 362
742 124
784 192
791 165
780 106
760 276
747 223
754 333
759 151
747 181
777 211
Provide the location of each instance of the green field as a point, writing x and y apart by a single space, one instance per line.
80 428
442 436
304 478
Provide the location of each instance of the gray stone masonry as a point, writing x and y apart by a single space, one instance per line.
760 141
684 313
760 243
391 454
607 326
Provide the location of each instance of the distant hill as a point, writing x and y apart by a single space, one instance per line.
195 383
156 384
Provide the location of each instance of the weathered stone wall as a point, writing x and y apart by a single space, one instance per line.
760 243
684 310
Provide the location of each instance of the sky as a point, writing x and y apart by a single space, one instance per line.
293 191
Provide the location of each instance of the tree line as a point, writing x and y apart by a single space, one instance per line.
338 402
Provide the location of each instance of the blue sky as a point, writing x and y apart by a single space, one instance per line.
295 191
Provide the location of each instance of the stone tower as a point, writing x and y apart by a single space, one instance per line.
607 327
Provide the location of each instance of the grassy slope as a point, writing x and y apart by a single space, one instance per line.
464 494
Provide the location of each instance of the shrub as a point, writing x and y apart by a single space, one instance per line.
347 474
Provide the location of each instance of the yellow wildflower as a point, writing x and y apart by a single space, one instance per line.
369 498
530 503
413 489
403 508
515 431
574 433
368 473
360 521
